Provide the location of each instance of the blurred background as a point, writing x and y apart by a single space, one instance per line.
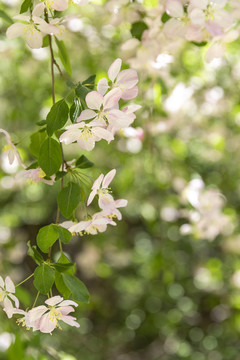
165 282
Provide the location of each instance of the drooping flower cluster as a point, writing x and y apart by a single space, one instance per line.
34 26
207 218
103 109
109 208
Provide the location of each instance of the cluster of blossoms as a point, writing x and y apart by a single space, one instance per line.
36 25
43 318
207 219
103 109
168 25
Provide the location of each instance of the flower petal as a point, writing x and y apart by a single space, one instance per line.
15 30
108 178
70 320
94 100
68 302
38 9
97 182
102 86
91 197
114 69
130 93
86 115
47 324
15 299
174 8
54 300
9 285
127 78
112 98
34 39
103 134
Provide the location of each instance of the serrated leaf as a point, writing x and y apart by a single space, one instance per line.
44 277
50 156
25 6
68 199
64 56
61 267
36 141
90 81
57 116
75 110
83 162
34 254
5 16
78 289
138 28
46 237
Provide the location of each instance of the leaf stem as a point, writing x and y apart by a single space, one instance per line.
36 299
24 280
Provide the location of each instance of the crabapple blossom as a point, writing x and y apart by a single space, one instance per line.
85 134
11 150
46 318
35 28
112 211
35 176
98 223
7 290
124 80
100 188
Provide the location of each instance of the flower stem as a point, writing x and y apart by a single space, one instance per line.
24 280
36 299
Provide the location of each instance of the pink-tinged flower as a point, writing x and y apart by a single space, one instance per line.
98 223
80 2
11 150
179 21
46 318
85 134
35 176
124 80
100 188
34 30
59 5
7 289
103 109
112 211
218 48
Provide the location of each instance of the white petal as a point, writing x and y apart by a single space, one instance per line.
112 98
54 300
102 86
82 225
94 100
174 8
105 201
130 93
127 78
60 5
108 178
68 302
36 313
114 69
8 307
197 17
9 285
15 30
15 299
121 203
97 182
46 324
70 321
91 197
103 134
38 9
34 39
1 282
86 143
86 115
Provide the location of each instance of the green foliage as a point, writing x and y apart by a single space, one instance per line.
77 288
59 282
5 16
46 237
57 117
50 156
75 110
44 277
83 162
26 5
35 255
138 28
68 199
64 235
36 140
63 55
61 267
90 81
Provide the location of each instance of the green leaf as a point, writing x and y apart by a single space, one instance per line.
82 91
64 235
63 55
36 141
34 254
78 289
200 44
5 16
57 116
25 6
61 267
165 18
60 175
138 28
83 162
60 284
41 123
89 82
46 237
75 110
50 156
44 277
68 199
45 42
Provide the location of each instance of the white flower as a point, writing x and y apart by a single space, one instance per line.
7 289
100 188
